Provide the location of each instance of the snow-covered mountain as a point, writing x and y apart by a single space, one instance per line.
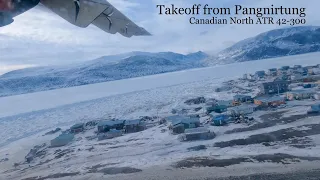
107 68
274 43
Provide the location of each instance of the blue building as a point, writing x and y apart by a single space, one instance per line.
242 98
132 126
315 107
217 109
200 133
180 123
259 74
112 133
105 126
77 128
220 120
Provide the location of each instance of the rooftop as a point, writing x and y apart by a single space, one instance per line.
114 131
196 130
110 122
132 122
185 119
64 136
270 98
298 91
275 82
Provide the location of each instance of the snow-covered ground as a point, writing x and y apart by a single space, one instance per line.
145 149
29 116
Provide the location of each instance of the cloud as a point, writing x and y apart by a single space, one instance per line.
39 37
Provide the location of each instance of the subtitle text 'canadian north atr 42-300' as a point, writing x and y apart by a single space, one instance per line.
81 13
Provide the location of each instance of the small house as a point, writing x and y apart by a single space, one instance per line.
177 129
211 102
298 71
241 98
297 66
259 74
310 85
296 76
180 123
285 68
105 126
62 140
316 71
315 107
300 94
112 133
316 96
247 76
175 118
269 101
191 122
272 72
200 133
77 128
309 70
132 126
274 87
217 109
243 109
220 120
227 103
305 71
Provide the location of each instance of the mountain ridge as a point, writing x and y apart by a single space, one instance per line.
105 68
271 44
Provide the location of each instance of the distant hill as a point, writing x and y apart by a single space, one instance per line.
274 43
107 68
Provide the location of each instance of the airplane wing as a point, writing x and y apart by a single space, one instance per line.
100 13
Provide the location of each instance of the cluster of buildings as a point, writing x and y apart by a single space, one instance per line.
273 93
105 130
286 84
297 72
189 127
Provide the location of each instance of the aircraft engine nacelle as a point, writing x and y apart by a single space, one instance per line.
19 7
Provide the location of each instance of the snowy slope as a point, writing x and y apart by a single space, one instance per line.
274 43
107 68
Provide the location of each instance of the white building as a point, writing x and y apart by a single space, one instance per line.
300 94
243 109
296 76
317 96
316 71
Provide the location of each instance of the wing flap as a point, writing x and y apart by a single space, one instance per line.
98 12
113 21
78 12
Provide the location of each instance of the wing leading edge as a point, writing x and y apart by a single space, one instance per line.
100 13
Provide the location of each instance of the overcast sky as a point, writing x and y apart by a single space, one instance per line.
39 37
